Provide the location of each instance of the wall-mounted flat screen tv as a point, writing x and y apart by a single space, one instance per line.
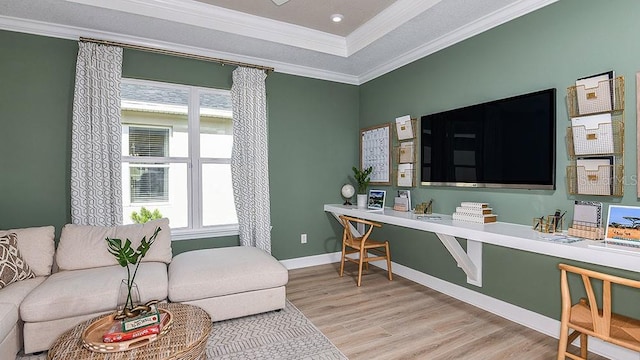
507 143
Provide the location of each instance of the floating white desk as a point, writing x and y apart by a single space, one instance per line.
521 237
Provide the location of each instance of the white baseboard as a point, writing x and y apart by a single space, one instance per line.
524 317
314 260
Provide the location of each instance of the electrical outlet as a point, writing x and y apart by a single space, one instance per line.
303 238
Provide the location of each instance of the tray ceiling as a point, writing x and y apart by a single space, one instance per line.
375 37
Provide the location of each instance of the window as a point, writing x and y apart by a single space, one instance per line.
176 156
149 183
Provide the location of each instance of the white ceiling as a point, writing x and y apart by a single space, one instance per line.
376 36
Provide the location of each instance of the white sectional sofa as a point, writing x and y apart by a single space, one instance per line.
86 279
36 247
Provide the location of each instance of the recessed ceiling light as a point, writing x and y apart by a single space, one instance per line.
337 18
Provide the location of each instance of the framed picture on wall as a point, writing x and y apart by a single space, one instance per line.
375 151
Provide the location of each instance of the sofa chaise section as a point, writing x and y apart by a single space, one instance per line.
228 282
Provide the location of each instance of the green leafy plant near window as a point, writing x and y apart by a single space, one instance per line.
126 255
145 215
362 178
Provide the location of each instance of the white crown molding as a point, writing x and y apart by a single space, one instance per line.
217 18
481 25
41 28
386 21
74 33
314 73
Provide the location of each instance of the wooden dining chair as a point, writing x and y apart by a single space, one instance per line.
362 245
586 318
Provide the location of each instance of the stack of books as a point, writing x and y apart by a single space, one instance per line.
475 212
149 323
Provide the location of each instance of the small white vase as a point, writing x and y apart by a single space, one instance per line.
362 201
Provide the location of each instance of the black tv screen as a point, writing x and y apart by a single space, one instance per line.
507 143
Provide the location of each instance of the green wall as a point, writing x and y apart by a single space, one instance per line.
551 47
312 124
313 135
36 92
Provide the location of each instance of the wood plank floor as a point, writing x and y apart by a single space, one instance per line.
401 319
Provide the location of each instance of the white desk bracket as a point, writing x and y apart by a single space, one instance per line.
470 261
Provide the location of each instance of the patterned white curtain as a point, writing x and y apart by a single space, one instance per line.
96 190
249 158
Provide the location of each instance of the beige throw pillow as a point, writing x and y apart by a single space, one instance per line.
12 266
37 247
84 246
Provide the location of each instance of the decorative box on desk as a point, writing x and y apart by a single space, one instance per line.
586 230
474 212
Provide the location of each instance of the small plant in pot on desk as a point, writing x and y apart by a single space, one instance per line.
362 179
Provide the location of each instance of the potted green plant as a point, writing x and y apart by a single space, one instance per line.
126 255
362 179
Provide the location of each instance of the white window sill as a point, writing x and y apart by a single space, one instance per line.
209 232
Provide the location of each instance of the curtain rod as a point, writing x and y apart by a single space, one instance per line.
176 53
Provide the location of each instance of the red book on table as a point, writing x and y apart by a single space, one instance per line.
115 333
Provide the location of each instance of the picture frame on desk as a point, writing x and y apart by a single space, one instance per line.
623 224
376 199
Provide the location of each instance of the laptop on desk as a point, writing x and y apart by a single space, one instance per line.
622 233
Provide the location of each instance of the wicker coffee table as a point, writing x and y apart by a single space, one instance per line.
186 340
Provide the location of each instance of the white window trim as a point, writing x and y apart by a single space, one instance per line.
208 232
190 233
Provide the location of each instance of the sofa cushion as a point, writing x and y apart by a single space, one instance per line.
37 247
84 246
13 268
8 318
88 291
16 292
202 274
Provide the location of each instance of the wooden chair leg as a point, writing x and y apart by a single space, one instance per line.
386 245
366 261
342 260
360 261
584 338
563 340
